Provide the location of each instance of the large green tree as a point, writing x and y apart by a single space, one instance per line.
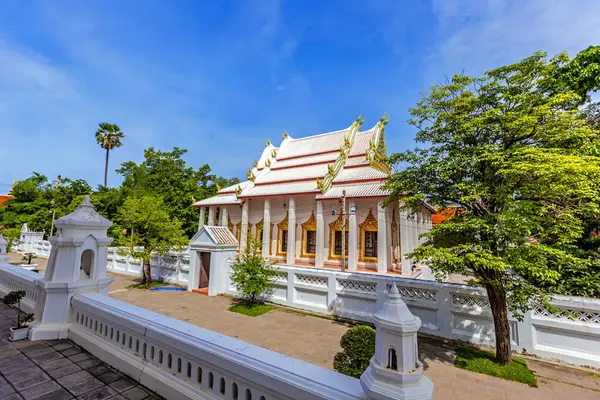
154 231
109 137
166 174
520 160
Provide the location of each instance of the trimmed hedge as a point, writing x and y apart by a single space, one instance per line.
358 347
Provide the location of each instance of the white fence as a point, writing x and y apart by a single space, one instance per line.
14 278
448 310
180 360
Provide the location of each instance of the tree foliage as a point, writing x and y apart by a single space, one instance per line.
153 230
358 347
109 137
520 161
251 273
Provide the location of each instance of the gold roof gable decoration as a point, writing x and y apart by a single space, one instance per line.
238 190
284 135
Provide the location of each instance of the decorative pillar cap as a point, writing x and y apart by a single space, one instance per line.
395 314
85 215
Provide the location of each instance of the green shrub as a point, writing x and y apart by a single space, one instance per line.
251 273
358 347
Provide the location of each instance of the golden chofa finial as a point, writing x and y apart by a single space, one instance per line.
284 135
238 190
218 187
13 186
267 143
384 119
255 163
250 175
360 120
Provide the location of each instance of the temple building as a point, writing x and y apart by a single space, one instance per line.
293 202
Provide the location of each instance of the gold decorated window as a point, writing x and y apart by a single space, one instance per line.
282 237
367 243
309 237
335 238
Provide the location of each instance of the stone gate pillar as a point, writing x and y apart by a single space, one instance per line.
77 264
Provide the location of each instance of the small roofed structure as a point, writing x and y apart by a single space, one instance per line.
210 248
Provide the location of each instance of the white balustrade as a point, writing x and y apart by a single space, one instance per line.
182 361
14 278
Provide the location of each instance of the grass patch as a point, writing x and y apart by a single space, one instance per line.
251 310
484 362
151 285
594 374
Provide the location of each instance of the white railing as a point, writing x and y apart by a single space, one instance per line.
15 278
447 310
172 268
182 361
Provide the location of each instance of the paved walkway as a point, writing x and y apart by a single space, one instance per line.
57 370
316 340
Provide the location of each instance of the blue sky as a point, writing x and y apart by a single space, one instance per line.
219 77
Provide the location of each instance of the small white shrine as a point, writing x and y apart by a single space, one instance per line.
316 200
77 264
395 371
3 254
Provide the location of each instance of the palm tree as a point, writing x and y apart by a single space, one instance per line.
108 136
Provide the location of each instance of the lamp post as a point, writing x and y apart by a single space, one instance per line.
53 214
344 215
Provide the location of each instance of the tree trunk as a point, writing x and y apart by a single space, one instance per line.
106 170
146 272
497 298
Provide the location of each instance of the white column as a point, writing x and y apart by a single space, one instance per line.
383 249
419 227
211 216
291 245
320 240
266 245
224 216
352 238
404 242
201 220
244 233
415 232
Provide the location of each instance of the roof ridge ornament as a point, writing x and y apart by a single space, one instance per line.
284 135
268 163
267 143
250 175
359 120
255 163
238 190
384 119
274 153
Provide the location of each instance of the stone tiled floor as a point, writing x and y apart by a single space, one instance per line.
57 370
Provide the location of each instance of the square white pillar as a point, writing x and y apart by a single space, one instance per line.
405 243
224 216
201 219
211 216
352 238
244 232
383 248
291 244
320 248
266 229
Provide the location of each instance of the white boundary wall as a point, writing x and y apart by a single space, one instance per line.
447 310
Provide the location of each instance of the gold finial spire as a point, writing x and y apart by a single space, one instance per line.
285 135
384 119
360 120
255 163
267 143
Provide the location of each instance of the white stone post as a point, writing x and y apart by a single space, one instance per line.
224 216
291 245
77 264
201 219
3 244
383 249
211 216
244 227
405 243
320 239
395 372
352 238
266 244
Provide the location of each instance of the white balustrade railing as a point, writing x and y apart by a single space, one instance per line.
14 278
181 361
172 268
447 310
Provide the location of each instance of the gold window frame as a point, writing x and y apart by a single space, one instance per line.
259 227
333 227
309 225
282 226
368 225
